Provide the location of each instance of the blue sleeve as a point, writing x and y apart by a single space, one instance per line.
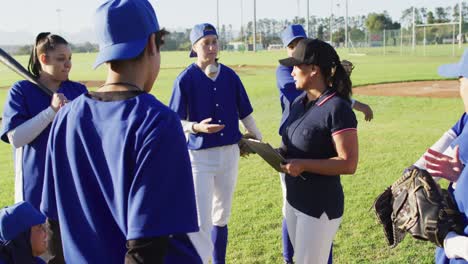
83 89
286 85
460 194
163 182
15 111
458 127
48 201
178 101
243 103
342 118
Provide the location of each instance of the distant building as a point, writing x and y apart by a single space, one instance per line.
258 47
236 46
275 47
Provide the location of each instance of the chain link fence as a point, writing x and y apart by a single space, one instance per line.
429 40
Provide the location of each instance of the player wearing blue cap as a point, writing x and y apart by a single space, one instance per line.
290 36
319 141
28 112
22 234
447 158
118 180
210 99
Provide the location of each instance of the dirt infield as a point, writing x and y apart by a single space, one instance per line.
439 89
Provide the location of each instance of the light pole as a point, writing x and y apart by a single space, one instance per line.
59 21
255 27
242 21
217 14
414 29
460 24
307 20
346 25
331 18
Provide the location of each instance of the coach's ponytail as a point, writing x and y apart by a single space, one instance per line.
340 80
44 43
332 70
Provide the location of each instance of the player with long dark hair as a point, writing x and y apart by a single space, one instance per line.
320 143
28 112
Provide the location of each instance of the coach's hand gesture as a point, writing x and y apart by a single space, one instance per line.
205 127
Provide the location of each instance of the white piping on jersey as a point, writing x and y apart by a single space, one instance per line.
19 194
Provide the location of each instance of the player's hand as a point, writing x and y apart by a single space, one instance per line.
441 165
293 167
250 135
205 127
368 113
58 100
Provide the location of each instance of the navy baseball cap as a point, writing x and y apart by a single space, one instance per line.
292 32
17 219
123 28
456 70
312 51
199 31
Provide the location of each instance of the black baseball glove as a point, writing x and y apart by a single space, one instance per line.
416 204
244 149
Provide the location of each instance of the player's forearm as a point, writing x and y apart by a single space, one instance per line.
29 130
441 146
146 250
251 127
333 166
456 246
356 105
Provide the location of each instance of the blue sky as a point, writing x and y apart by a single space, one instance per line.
34 16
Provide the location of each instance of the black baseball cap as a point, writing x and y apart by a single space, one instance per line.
312 51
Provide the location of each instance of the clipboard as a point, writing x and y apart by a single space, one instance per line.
267 152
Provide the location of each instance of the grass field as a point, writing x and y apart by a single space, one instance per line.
401 131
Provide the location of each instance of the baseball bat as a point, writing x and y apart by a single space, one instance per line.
15 66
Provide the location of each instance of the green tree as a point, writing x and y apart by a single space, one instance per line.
320 32
378 22
23 50
441 15
430 17
423 13
407 16
339 36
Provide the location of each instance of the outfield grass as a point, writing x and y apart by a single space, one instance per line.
402 129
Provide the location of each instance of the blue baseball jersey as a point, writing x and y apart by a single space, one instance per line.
288 92
25 100
117 170
458 127
196 97
459 194
309 134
